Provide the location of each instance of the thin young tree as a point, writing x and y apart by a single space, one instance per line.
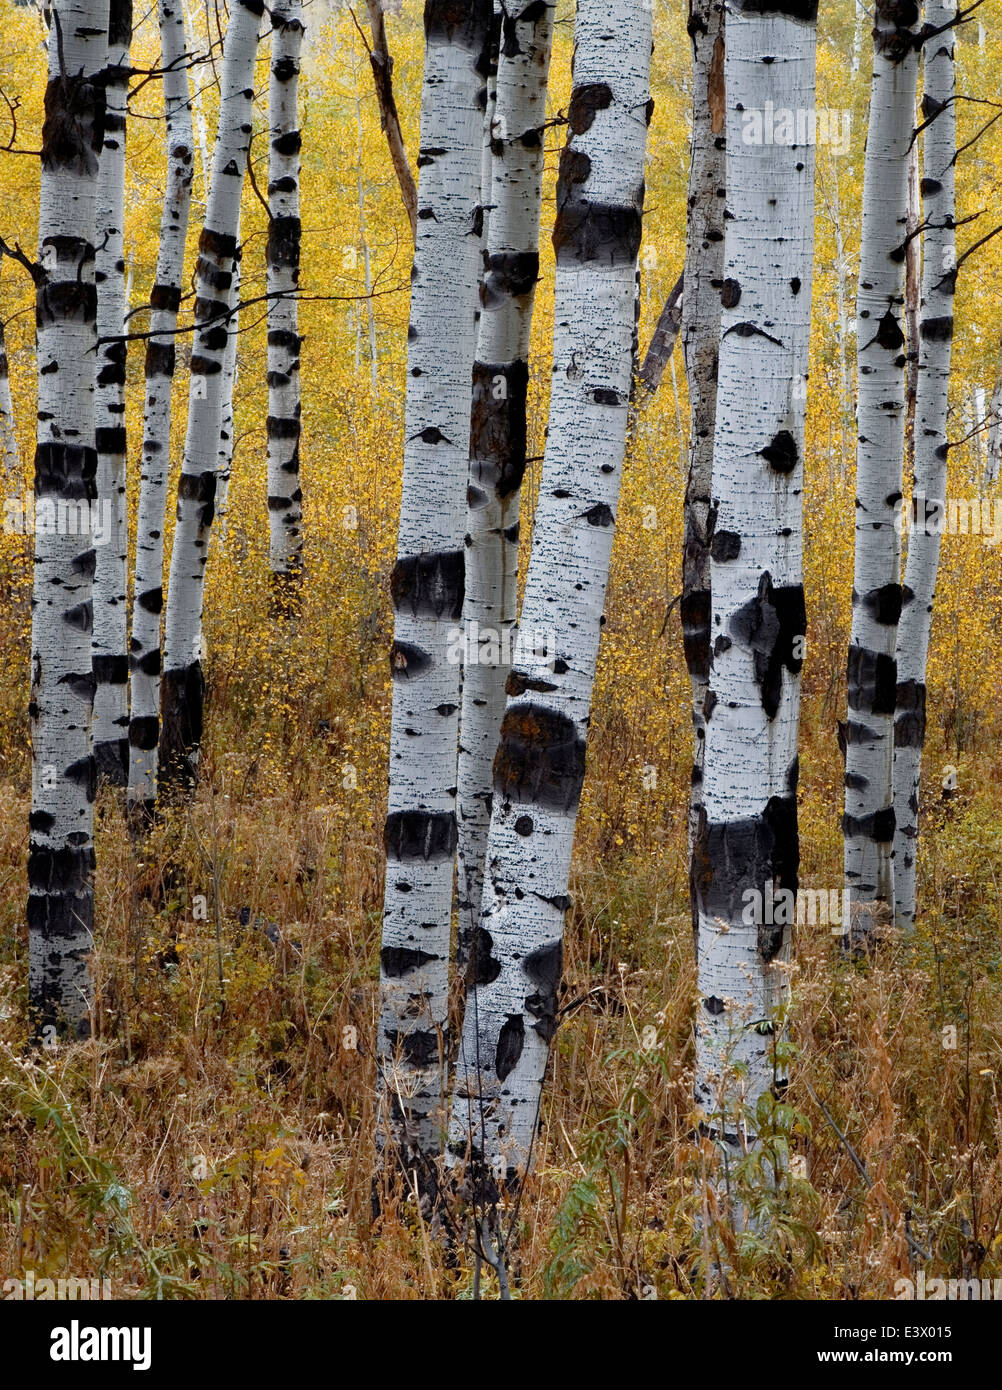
183 688
427 587
227 424
511 1008
939 276
111 663
704 260
498 431
747 841
868 823
285 498
165 299
61 846
9 457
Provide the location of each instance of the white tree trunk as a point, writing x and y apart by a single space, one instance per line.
747 841
61 850
498 433
183 684
10 466
511 1010
144 648
427 584
704 261
111 663
227 425
936 339
285 498
876 602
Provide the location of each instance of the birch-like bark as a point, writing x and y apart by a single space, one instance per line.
747 841
285 498
511 1009
165 299
10 467
427 586
111 662
227 426
498 432
61 847
183 684
704 260
868 823
929 501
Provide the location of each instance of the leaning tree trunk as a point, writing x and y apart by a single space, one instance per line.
498 433
111 663
929 501
165 299
183 685
511 1009
427 586
382 77
285 498
746 842
704 262
868 823
61 848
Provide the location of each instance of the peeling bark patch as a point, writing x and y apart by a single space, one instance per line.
769 624
511 1040
541 758
420 835
429 585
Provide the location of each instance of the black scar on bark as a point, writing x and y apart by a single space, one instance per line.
466 23
730 294
111 759
498 427
938 330
730 857
160 359
769 625
83 774
540 759
288 144
856 732
909 719
889 334
878 826
587 231
144 732
148 664
781 454
508 275
518 684
401 960
66 300
110 669
429 836
204 366
883 604
110 440
856 782
726 545
695 615
182 696
284 236
586 101
484 968
544 967
67 471
151 600
599 515
430 585
418 1049
523 825
872 681
73 129
82 685
511 1040
806 11
408 661
165 297
713 1005
199 487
